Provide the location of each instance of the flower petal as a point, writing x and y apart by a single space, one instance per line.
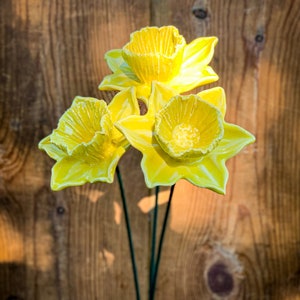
123 105
120 81
87 164
194 70
54 151
114 59
138 130
215 96
160 95
117 63
117 81
160 169
199 52
190 78
210 173
234 140
156 169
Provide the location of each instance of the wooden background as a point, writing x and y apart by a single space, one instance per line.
73 244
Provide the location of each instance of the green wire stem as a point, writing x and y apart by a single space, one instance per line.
153 242
134 268
153 283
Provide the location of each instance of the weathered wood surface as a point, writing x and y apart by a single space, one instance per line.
73 244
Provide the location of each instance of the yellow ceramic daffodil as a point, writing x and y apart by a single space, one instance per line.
86 145
185 137
160 54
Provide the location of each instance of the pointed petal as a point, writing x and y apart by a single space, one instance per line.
138 130
117 81
54 151
210 173
160 95
73 172
123 105
215 96
199 52
234 140
114 59
190 78
194 70
87 164
158 168
117 64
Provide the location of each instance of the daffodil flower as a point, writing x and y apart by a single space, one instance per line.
160 54
86 144
185 137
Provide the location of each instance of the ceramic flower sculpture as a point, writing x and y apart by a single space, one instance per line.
160 54
185 137
86 145
180 136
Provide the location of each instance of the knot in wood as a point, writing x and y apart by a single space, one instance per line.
220 280
200 13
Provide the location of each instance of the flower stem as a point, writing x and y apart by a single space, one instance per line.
134 268
153 242
153 281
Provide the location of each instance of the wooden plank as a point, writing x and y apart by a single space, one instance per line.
244 245
72 244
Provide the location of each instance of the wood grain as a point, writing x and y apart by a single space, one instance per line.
73 244
244 245
64 245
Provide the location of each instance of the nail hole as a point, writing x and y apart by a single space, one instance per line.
200 13
259 38
60 210
220 281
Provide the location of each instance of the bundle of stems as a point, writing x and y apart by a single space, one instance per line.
155 251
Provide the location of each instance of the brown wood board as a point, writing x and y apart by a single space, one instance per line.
73 244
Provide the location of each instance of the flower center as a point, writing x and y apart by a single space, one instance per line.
155 53
185 136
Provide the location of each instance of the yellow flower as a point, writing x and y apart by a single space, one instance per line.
185 137
86 145
160 54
